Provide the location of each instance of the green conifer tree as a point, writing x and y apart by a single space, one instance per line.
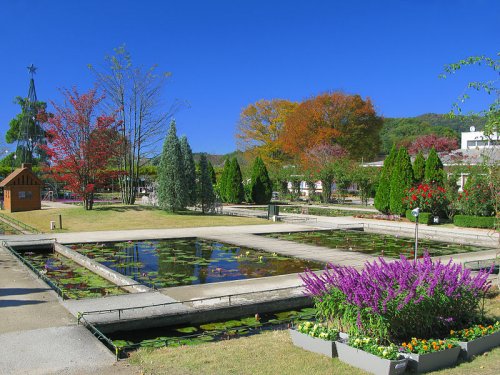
434 173
419 167
222 186
211 170
172 194
189 171
261 185
383 194
401 181
235 193
206 196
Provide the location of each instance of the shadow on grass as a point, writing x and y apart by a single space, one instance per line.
124 208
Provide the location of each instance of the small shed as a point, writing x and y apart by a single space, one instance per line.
22 190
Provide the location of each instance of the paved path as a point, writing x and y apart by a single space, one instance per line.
38 335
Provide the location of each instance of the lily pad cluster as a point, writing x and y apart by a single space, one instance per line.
193 335
75 281
374 244
177 262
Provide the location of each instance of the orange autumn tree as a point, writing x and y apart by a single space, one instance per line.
333 118
260 127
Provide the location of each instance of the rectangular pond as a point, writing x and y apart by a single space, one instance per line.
74 280
174 336
374 243
188 261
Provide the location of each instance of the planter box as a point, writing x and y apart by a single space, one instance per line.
313 344
480 345
370 362
433 361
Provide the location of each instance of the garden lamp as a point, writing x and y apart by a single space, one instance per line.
416 212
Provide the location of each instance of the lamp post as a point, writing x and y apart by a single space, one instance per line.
416 212
12 162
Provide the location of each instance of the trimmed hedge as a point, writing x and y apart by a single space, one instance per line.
474 221
423 218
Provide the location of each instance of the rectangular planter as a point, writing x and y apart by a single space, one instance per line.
313 344
370 362
433 361
480 345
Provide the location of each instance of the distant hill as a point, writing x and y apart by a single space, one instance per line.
405 129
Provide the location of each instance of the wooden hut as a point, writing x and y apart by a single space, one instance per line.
22 190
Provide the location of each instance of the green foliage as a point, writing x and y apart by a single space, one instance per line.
423 217
366 178
235 192
222 186
189 171
206 196
383 195
474 221
401 181
261 185
434 173
402 131
419 167
172 193
36 134
477 198
211 170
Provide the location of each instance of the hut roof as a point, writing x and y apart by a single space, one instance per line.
25 170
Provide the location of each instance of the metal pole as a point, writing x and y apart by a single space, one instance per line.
416 237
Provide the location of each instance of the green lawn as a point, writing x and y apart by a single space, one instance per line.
273 353
121 217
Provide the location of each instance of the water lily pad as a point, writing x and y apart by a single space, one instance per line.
187 329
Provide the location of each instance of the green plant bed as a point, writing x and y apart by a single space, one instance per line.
74 280
423 217
474 221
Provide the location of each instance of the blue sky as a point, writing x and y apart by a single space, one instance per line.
224 55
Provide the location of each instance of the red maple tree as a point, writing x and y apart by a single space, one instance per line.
426 142
81 144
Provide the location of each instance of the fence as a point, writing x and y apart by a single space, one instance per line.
18 223
199 304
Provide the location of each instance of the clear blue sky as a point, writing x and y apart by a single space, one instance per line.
225 55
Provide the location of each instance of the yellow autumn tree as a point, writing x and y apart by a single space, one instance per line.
259 129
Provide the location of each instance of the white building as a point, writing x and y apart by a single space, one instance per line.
477 140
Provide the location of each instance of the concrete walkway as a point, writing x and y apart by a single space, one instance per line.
38 335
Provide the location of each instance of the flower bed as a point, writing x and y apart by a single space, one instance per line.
397 300
477 339
431 355
357 357
316 338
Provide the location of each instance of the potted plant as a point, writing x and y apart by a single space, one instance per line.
367 354
431 355
477 339
315 337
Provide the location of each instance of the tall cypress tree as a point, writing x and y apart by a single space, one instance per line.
235 193
206 196
261 185
401 181
419 167
222 187
211 170
383 194
189 171
434 173
171 185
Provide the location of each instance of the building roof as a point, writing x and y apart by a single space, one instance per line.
12 179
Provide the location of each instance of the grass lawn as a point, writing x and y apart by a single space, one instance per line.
121 217
273 353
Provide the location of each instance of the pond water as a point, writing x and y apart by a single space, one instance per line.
176 262
191 335
374 244
75 281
